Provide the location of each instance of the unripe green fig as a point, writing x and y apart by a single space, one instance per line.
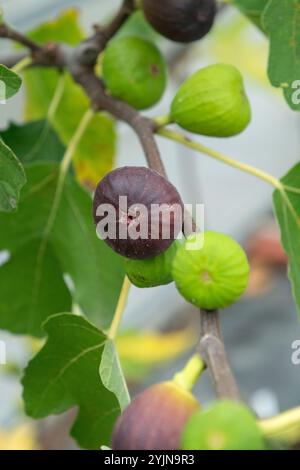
152 272
225 425
212 102
212 276
134 71
155 419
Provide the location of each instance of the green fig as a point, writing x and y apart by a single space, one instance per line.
134 71
155 419
224 426
152 272
212 102
211 276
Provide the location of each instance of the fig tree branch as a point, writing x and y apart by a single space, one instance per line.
80 62
9 33
211 346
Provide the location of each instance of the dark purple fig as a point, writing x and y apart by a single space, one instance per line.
137 212
155 419
180 20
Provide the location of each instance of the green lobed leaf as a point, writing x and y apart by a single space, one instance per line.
12 179
281 20
10 83
95 154
34 141
288 219
253 9
65 373
32 285
112 375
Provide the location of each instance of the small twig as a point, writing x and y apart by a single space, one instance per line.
22 64
9 33
88 51
124 13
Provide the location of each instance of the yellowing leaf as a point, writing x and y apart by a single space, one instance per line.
65 28
95 154
153 347
20 438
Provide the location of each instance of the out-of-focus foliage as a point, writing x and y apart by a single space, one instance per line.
95 154
21 437
140 352
251 55
137 25
253 9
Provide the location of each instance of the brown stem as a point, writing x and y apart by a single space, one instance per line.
101 100
9 33
124 13
88 51
212 350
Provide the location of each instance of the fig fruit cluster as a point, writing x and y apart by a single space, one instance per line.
180 20
139 214
166 416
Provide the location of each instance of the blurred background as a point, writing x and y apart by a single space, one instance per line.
159 328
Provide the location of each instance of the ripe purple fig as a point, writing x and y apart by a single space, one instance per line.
155 419
180 20
137 212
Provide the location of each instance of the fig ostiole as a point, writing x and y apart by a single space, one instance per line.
180 20
137 212
212 102
152 272
134 71
214 276
155 419
225 425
